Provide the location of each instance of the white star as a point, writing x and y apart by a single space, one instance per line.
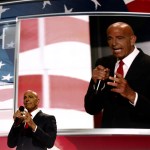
8 77
128 1
2 10
96 3
67 10
45 3
1 64
11 44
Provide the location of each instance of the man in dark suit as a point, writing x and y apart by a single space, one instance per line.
32 129
123 99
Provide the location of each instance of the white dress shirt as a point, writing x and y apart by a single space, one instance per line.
33 115
127 63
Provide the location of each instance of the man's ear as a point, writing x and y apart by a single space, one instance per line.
133 39
38 101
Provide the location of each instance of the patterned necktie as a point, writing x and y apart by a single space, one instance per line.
120 68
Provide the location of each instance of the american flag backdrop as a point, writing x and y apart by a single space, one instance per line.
7 45
43 65
55 60
10 10
7 50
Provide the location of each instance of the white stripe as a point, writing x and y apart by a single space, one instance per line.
71 59
7 104
82 17
41 29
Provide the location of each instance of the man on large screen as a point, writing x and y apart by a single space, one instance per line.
123 96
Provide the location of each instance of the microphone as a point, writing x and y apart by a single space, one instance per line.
18 120
21 108
100 84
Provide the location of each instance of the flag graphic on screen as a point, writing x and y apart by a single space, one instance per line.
6 66
55 60
6 56
12 10
7 50
60 6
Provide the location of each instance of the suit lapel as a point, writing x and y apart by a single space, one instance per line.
37 116
133 71
112 66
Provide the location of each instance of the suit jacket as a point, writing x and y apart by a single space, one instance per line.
118 112
43 138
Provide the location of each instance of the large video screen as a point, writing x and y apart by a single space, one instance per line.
54 59
99 24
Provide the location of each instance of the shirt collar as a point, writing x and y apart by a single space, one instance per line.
129 59
33 113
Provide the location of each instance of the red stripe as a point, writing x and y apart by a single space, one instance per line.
57 29
29 34
60 29
6 94
139 6
67 92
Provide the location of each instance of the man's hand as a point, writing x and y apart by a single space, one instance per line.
28 119
18 114
100 73
121 86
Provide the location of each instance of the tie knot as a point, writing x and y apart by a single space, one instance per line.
120 68
121 63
